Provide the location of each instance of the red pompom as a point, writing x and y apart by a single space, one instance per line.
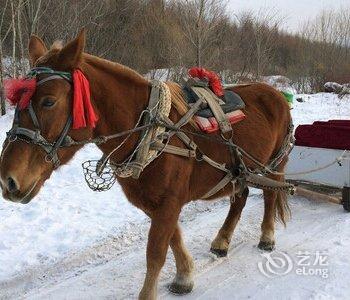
83 112
19 91
213 79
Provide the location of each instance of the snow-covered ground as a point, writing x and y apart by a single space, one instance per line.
72 243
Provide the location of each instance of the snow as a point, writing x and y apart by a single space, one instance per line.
70 242
65 215
281 83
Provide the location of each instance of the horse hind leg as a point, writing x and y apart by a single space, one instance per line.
275 207
183 281
220 244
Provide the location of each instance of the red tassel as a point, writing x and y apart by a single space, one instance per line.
213 78
83 112
19 91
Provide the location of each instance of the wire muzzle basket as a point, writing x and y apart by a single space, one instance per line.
98 176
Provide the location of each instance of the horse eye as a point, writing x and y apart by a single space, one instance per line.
48 103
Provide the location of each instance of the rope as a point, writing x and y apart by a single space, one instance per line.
156 120
337 160
104 139
160 110
107 157
254 160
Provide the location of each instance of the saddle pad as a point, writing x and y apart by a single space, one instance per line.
210 125
232 102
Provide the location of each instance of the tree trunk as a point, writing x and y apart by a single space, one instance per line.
14 65
199 34
2 96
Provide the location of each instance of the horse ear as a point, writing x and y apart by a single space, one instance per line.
36 48
71 54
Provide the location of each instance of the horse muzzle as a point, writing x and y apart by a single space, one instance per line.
11 191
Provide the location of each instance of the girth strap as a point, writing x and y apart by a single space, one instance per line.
222 184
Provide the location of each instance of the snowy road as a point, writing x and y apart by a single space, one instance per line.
106 272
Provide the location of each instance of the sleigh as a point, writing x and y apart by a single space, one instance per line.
319 163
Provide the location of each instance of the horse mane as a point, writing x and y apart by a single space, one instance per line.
177 96
177 100
114 68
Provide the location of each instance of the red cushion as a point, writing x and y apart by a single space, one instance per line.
340 122
321 135
333 123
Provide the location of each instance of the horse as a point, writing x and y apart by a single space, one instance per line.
119 95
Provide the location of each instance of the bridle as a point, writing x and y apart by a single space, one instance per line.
34 136
18 133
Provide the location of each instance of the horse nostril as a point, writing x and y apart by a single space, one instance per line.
11 185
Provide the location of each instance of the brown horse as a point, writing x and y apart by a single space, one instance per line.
169 182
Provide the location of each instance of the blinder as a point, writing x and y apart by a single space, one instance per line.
34 136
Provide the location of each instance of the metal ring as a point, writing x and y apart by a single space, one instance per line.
227 139
12 138
49 158
198 155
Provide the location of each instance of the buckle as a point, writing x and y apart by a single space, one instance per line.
50 158
11 136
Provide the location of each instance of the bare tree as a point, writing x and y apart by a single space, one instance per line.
2 75
200 21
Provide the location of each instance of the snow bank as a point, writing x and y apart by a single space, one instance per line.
281 83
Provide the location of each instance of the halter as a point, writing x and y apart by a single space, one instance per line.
34 136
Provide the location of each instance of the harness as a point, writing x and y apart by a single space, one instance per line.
34 136
156 131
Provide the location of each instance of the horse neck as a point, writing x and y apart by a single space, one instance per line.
119 96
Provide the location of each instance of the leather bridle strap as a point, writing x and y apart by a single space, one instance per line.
34 136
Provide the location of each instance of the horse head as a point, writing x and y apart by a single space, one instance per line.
43 123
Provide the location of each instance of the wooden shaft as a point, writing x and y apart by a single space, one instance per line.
317 196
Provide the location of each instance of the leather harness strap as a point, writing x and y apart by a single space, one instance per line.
214 104
222 183
146 136
158 146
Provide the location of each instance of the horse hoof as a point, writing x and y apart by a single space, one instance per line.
180 289
266 246
219 252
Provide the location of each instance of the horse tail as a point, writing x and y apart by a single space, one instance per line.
283 212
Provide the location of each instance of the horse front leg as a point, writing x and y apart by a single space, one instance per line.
220 244
163 226
183 282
